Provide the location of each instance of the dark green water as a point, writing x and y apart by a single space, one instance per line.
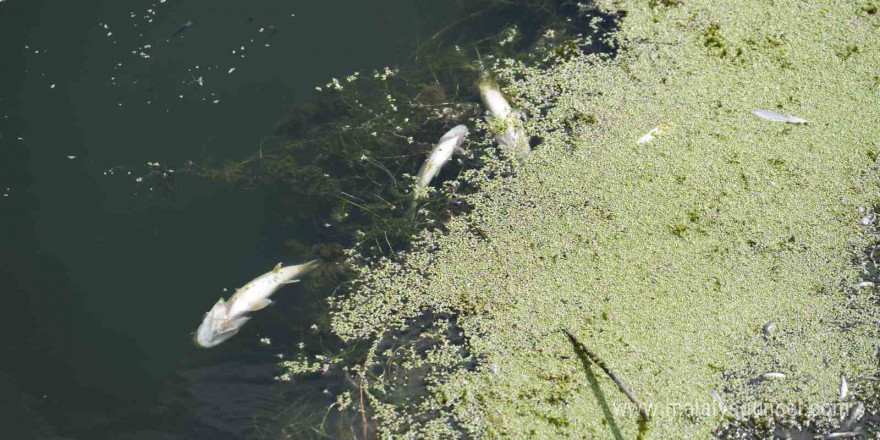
103 279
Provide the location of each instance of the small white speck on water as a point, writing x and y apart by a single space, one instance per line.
52 86
71 157
267 45
139 179
231 69
773 375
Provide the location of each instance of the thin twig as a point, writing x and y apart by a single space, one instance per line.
363 410
620 384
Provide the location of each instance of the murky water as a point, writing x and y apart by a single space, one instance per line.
103 278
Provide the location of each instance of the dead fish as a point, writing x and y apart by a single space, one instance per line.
449 144
837 435
774 375
654 133
853 416
770 115
843 389
507 122
226 318
183 28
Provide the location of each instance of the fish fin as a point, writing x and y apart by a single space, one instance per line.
260 304
277 268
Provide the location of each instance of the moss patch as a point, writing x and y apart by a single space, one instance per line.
665 258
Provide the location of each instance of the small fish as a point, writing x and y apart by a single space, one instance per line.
773 375
853 416
654 133
449 144
183 28
843 389
226 318
770 115
509 134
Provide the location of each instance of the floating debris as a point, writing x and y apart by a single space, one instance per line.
843 389
654 133
770 115
769 328
863 284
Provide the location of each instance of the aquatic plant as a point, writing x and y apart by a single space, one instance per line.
342 167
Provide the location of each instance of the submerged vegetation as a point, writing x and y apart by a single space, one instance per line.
711 267
358 145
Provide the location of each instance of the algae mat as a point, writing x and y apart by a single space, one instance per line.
665 258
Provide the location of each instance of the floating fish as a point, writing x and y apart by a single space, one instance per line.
226 318
773 375
843 389
449 144
507 122
654 133
770 115
853 416
183 28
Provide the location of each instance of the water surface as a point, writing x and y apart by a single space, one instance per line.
103 277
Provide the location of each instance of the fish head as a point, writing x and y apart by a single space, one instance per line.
217 326
458 133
